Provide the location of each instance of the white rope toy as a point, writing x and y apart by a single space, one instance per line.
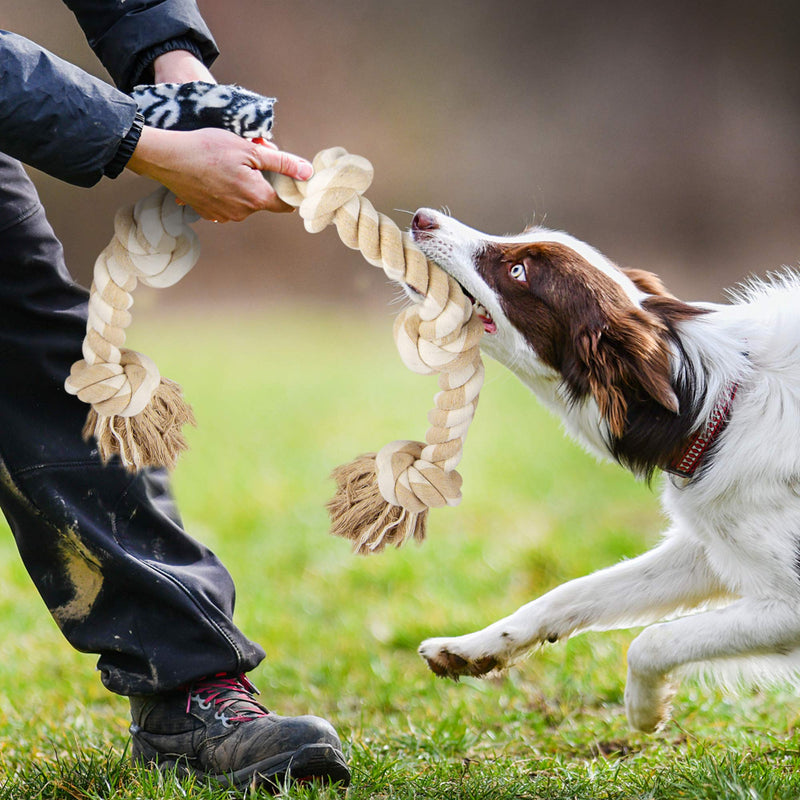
137 415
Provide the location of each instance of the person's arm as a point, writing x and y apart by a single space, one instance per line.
128 35
214 171
58 118
63 121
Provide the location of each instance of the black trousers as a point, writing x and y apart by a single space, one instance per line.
105 548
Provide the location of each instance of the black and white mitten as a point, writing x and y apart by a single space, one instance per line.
189 106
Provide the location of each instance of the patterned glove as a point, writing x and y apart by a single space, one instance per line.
188 106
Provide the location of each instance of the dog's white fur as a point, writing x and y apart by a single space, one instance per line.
731 553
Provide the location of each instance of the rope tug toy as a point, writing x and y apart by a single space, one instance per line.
381 498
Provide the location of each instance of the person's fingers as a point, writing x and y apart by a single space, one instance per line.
268 199
217 173
253 194
269 160
278 206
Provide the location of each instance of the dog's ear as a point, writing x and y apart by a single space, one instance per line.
626 361
648 282
602 372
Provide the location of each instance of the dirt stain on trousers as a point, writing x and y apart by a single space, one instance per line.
84 573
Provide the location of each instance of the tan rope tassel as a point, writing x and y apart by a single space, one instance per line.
136 414
383 498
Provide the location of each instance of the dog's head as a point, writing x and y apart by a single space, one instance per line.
548 299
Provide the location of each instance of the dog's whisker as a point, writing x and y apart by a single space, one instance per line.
399 296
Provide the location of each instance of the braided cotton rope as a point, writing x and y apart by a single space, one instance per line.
384 499
136 414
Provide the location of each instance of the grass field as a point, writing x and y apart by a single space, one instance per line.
291 395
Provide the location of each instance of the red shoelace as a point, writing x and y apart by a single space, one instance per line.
231 694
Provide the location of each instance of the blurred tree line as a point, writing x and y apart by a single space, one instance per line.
665 133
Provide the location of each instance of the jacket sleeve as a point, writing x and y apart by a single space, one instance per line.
127 35
59 119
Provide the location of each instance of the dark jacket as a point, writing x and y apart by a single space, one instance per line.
69 124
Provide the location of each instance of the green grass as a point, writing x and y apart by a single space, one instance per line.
281 398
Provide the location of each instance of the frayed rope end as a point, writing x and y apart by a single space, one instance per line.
152 438
359 512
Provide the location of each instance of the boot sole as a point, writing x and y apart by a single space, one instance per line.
311 762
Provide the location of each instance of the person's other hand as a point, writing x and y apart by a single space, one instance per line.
215 171
180 66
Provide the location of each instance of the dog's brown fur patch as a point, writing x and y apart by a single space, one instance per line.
580 322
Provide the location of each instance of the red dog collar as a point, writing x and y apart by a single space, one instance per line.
686 464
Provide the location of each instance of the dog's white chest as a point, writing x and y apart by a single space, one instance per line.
748 539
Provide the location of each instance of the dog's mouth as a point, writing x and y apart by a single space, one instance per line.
478 309
481 312
423 228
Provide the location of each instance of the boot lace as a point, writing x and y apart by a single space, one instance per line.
230 695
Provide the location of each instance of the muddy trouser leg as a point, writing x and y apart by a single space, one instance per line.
105 548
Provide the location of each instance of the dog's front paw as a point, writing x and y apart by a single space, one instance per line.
451 658
648 702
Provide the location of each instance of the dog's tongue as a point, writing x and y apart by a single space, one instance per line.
486 318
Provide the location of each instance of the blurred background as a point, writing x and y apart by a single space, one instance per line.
664 133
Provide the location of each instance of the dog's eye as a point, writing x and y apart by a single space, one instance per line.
518 272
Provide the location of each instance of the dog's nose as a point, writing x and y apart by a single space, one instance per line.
423 221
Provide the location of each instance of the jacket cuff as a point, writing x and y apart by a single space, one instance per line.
125 149
142 71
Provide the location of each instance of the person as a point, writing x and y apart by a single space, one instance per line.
105 548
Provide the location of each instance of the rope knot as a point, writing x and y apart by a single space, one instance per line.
135 413
406 478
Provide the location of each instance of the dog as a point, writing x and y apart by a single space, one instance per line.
708 394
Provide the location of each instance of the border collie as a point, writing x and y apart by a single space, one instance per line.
710 395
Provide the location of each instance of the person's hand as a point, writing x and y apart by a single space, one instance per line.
215 171
180 66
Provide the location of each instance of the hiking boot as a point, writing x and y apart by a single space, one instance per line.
215 729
